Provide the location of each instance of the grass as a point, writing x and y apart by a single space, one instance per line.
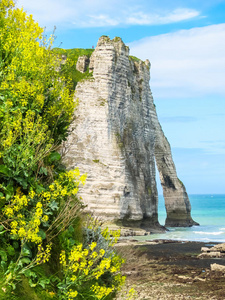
134 58
69 69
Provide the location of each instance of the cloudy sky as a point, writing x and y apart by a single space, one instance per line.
185 43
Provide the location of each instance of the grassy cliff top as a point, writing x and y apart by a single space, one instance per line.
68 69
73 54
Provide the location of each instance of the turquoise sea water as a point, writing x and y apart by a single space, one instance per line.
208 211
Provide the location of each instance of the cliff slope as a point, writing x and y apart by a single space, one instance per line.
116 140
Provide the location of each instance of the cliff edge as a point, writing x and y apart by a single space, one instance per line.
117 139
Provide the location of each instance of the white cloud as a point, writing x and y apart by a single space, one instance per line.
97 21
177 15
99 13
186 62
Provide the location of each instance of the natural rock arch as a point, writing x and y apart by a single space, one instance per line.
117 140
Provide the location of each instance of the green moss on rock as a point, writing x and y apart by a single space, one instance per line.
134 58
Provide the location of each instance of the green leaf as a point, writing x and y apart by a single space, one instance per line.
3 255
3 265
13 285
42 234
22 182
71 229
4 170
42 282
39 189
15 245
2 203
54 156
43 171
9 191
31 283
10 250
25 173
29 273
26 251
25 260
72 242
53 205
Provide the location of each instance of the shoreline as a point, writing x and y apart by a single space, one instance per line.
133 241
202 233
166 269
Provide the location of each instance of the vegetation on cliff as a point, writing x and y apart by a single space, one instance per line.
47 251
68 69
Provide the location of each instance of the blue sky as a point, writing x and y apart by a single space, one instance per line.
185 43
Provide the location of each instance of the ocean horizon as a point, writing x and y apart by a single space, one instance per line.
208 210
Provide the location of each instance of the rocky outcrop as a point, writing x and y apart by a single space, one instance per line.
217 268
116 140
217 251
82 63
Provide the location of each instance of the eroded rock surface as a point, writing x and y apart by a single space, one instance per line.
116 140
217 251
82 63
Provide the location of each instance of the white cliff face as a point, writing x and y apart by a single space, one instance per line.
114 141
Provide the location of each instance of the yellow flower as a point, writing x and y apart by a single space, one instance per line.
14 224
14 231
22 232
45 218
47 196
31 194
93 245
94 254
73 278
85 252
51 187
9 212
113 269
72 294
39 205
63 192
86 271
75 191
102 252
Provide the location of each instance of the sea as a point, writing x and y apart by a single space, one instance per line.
207 210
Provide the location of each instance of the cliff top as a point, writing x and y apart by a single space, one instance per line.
70 58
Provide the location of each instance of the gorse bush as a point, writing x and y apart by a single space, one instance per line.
43 240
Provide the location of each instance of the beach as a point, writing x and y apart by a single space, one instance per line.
166 269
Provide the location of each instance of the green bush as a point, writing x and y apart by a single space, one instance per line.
45 252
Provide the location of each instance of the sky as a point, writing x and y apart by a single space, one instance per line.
185 43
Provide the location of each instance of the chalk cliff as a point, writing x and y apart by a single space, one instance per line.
116 140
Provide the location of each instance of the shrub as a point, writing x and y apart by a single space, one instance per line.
40 210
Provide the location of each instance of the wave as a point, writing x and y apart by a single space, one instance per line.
208 233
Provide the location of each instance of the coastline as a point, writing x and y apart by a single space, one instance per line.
166 269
